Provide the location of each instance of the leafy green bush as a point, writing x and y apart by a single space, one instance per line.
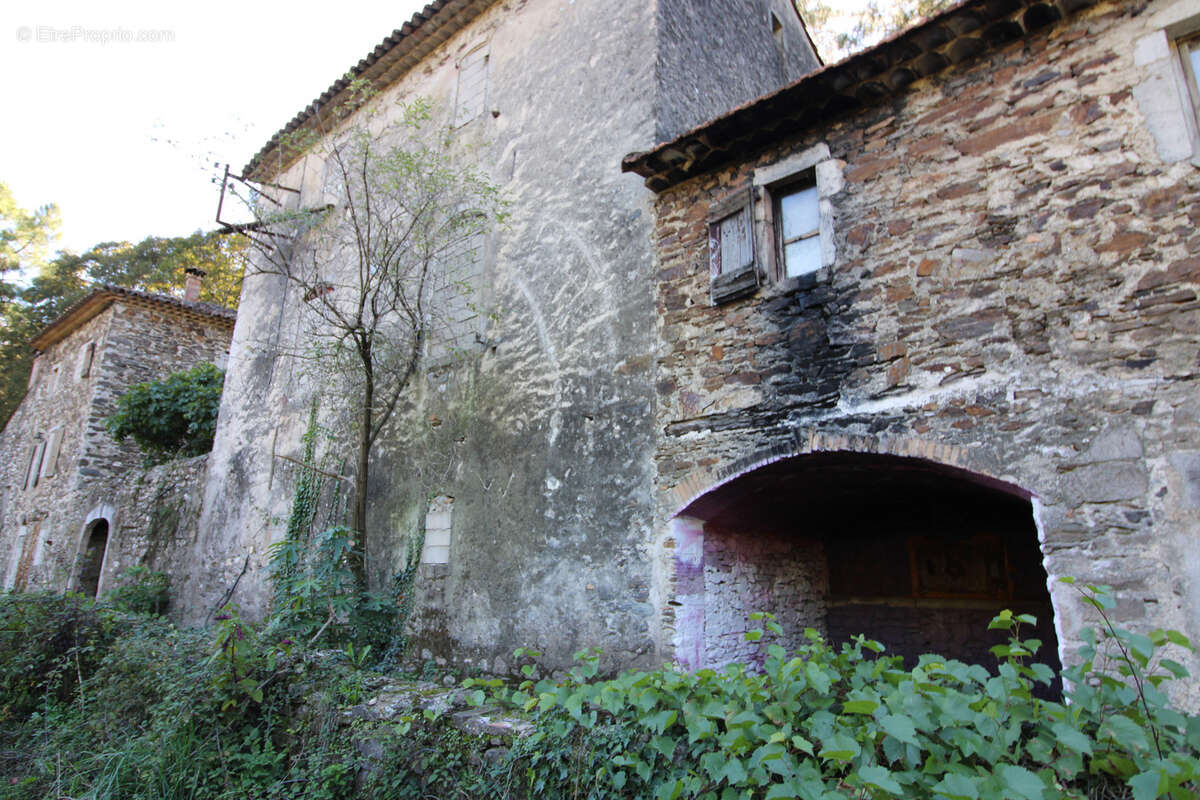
141 591
825 723
48 644
108 705
173 417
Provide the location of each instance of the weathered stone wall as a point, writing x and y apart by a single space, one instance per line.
698 43
744 573
1014 293
158 510
42 528
542 433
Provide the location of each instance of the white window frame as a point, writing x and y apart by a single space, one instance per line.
814 166
1168 97
805 184
1185 45
439 527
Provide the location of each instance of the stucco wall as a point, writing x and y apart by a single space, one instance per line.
542 434
1014 293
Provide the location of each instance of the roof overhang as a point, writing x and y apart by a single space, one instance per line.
383 66
93 304
958 35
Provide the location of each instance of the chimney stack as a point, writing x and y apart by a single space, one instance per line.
191 283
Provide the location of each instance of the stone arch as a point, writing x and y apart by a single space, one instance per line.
804 441
95 536
927 544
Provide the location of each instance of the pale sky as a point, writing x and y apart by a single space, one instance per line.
121 134
116 110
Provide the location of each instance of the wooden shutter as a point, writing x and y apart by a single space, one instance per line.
732 270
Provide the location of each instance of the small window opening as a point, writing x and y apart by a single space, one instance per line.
92 560
799 213
439 521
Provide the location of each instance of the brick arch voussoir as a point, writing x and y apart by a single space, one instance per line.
804 441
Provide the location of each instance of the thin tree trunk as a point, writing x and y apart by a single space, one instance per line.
358 562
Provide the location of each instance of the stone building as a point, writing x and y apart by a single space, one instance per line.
69 493
535 447
927 337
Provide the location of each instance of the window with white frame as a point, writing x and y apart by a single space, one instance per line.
471 95
798 226
780 228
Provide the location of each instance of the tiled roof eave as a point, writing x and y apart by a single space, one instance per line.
957 35
390 59
105 295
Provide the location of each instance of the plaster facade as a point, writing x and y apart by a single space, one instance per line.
536 443
1010 304
62 476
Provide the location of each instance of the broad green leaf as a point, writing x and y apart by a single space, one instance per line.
1072 738
661 721
876 775
957 787
901 727
860 707
1147 785
734 772
1125 732
1021 781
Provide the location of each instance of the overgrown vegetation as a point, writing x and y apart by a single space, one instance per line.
173 417
103 703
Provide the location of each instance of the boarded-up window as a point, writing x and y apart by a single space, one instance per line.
731 249
438 524
83 367
471 98
800 230
35 465
50 460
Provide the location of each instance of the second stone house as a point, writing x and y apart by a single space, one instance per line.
76 506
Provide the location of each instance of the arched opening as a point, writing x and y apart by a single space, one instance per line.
91 560
915 554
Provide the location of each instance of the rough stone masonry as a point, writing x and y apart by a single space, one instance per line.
1010 296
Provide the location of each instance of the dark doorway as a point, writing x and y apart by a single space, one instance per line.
92 558
908 552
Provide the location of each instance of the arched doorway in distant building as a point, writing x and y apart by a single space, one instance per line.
91 557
